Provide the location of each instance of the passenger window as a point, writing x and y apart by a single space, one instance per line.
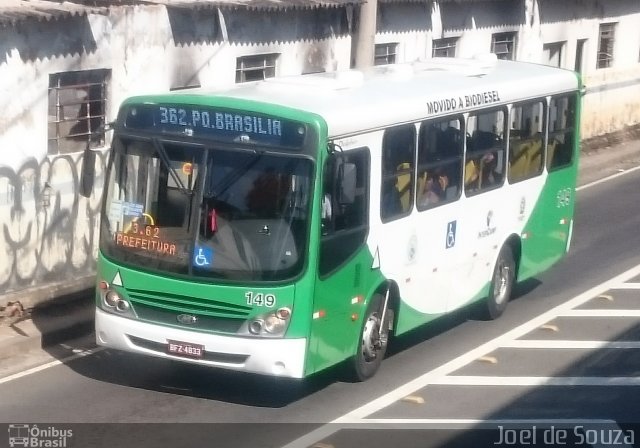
398 152
562 113
526 141
440 151
484 166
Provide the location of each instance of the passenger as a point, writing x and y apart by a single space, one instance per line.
490 176
434 188
391 202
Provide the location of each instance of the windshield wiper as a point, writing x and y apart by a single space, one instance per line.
164 157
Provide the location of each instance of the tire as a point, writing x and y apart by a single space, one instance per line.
502 282
372 343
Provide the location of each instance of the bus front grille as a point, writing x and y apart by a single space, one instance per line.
187 304
201 322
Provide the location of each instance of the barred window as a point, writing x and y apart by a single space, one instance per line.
444 48
256 67
605 45
503 45
385 54
77 105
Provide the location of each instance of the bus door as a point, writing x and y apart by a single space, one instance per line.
559 192
483 218
438 189
344 259
404 238
526 166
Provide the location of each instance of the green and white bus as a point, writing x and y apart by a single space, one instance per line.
283 226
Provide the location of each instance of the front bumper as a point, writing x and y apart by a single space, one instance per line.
277 357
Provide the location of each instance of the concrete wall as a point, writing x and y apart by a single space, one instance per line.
613 94
48 232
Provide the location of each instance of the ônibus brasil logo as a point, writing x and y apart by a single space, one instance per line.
34 436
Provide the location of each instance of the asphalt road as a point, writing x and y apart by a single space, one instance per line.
456 374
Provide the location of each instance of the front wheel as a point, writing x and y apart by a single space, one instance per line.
501 284
372 344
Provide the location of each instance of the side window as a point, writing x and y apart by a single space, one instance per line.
345 221
526 141
398 152
562 134
440 148
484 166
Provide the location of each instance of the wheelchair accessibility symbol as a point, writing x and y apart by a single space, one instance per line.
202 256
451 234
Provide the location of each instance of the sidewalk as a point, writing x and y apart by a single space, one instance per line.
71 316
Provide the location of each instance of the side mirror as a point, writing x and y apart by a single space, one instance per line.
346 183
88 175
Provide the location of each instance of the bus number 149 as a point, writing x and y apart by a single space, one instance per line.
260 299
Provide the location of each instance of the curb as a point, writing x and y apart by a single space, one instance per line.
48 325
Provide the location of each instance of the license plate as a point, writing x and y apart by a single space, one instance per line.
185 349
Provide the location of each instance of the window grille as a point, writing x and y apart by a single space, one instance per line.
385 54
256 67
605 45
444 48
503 45
77 105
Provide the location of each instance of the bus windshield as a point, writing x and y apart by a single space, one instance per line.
212 213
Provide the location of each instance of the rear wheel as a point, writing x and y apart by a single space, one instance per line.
374 337
501 284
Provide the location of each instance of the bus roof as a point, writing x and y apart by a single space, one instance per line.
353 101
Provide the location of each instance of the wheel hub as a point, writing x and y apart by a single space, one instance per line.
502 282
371 343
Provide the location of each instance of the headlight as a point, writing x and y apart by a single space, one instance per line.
111 299
271 324
113 302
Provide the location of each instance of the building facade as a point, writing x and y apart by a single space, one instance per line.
65 68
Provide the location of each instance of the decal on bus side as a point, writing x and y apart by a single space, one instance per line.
451 235
563 197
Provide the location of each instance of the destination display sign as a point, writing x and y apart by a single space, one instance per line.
217 124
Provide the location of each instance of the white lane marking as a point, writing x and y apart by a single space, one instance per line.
456 363
474 380
608 178
590 345
629 285
57 362
489 346
600 313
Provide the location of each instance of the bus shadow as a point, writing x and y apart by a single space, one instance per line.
188 380
67 330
